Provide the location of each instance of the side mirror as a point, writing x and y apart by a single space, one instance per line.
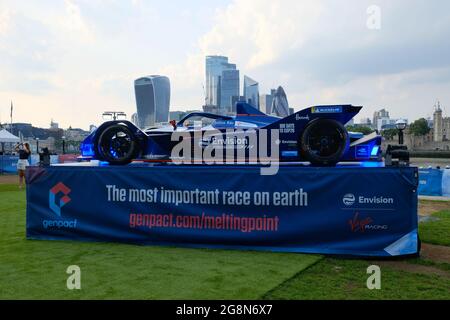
174 124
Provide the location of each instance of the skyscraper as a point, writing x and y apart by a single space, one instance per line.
134 119
280 105
379 116
214 67
229 87
234 100
152 100
251 91
265 102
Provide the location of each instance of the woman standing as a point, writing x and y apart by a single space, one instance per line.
24 153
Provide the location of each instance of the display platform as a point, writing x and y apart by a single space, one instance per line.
344 210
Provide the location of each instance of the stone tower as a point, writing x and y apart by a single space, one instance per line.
437 123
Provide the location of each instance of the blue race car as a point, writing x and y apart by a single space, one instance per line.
316 134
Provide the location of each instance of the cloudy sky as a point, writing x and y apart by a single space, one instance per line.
71 60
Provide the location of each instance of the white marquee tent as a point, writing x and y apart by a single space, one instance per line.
6 136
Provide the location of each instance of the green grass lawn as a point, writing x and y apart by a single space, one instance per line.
31 269
346 279
437 231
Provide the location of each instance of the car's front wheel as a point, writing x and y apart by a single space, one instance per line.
323 142
117 144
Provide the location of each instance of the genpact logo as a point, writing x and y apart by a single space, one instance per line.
56 207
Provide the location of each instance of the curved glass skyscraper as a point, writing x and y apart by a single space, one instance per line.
152 100
280 105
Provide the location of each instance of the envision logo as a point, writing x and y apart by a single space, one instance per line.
56 206
349 199
59 187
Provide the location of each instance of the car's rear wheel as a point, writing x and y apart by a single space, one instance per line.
323 142
117 144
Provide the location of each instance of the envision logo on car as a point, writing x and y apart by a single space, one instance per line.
349 199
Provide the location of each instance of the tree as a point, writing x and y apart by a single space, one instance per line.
362 129
389 134
419 127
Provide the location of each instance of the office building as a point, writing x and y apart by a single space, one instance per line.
251 91
265 103
214 69
152 100
234 100
229 87
134 119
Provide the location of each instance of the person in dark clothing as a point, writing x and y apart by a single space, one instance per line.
24 153
44 157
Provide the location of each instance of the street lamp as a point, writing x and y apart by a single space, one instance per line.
114 115
37 145
63 144
400 125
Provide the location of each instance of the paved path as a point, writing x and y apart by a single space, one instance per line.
9 179
434 198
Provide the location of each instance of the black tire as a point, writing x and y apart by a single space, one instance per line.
117 144
323 142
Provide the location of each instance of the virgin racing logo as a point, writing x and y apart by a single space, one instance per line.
55 206
361 225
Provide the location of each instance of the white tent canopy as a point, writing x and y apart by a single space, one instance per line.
5 136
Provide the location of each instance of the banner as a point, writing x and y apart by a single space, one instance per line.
8 164
430 182
342 210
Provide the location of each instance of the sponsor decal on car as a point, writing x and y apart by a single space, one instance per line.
327 109
287 128
226 142
299 117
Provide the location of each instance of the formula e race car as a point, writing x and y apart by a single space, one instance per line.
316 134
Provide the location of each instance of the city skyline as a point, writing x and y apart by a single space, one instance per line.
72 60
